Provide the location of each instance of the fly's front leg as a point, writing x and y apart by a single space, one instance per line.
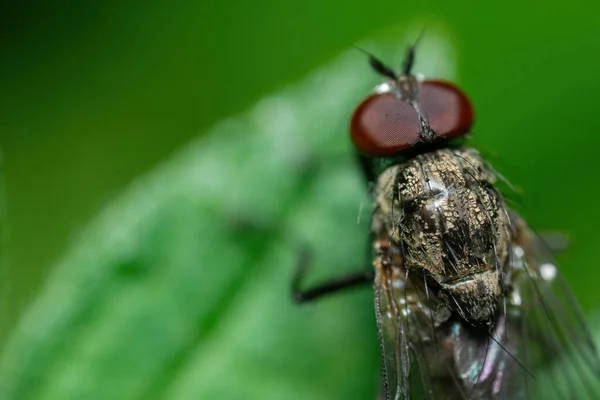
335 285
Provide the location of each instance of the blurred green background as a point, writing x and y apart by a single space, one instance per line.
95 94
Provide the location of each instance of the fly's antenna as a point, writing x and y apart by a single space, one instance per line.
410 55
379 66
409 61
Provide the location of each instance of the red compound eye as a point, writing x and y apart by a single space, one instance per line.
383 124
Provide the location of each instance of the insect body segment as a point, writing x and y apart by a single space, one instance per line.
441 209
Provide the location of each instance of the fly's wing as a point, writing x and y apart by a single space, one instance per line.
487 363
458 361
393 338
448 359
554 338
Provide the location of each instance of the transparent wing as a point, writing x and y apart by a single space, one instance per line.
555 340
458 361
427 353
393 340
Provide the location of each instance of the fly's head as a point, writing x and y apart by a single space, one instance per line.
434 200
410 115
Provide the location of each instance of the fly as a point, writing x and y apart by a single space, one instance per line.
469 302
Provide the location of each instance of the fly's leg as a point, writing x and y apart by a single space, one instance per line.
244 225
335 285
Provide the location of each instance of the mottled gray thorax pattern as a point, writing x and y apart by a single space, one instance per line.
450 224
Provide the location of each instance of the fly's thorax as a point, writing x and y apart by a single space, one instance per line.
442 210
